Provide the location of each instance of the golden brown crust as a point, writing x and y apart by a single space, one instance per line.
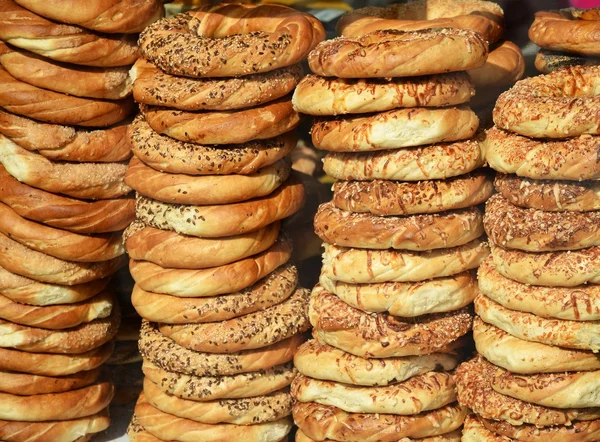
415 232
548 61
475 431
562 31
397 53
382 336
453 436
578 432
394 129
504 66
25 384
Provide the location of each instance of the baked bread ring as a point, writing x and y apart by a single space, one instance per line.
267 292
323 422
167 427
66 143
504 66
386 197
316 95
577 432
126 16
562 30
394 129
25 384
216 221
437 161
169 356
246 411
60 42
396 53
54 107
484 17
223 127
79 180
549 195
453 436
533 230
56 406
474 431
562 269
230 40
561 104
205 189
549 61
320 361
415 232
383 336
214 281
165 154
248 332
408 299
357 266
528 357
581 335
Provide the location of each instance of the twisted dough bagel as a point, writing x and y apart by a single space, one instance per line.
561 104
394 129
572 159
549 61
549 195
317 95
504 66
475 431
165 154
395 53
577 432
483 17
563 30
60 42
230 40
25 384
383 336
453 436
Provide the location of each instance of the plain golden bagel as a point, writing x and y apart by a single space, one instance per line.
323 96
437 161
563 30
394 129
165 154
25 384
397 53
548 61
231 40
560 104
504 66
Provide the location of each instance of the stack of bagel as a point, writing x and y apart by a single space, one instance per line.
402 235
537 375
65 95
223 313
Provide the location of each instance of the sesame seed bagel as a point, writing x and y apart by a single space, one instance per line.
453 436
165 154
394 129
504 66
561 104
155 87
61 42
577 432
383 336
423 392
562 268
357 266
528 357
167 427
267 292
580 303
571 159
222 127
386 197
320 361
170 356
213 281
248 332
214 221
245 411
415 232
438 161
206 189
548 61
397 53
407 299
317 95
25 384
582 335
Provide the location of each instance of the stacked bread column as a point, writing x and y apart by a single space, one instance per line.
536 376
402 236
223 315
63 206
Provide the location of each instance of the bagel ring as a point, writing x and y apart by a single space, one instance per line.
549 61
504 66
562 30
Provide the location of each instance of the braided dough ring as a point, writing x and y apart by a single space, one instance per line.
393 53
561 104
504 66
60 42
562 30
165 154
577 432
549 61
230 40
